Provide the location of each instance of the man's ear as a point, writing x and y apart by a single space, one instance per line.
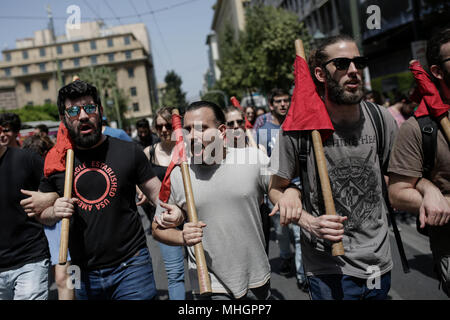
319 73
437 72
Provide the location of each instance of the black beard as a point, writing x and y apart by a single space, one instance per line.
337 94
86 141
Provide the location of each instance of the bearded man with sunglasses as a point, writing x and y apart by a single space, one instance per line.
107 240
355 173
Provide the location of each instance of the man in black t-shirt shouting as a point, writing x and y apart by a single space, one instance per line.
24 256
106 239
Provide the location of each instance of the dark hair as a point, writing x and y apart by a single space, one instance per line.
142 123
378 99
76 90
42 128
12 120
318 57
399 96
37 143
218 113
277 92
434 47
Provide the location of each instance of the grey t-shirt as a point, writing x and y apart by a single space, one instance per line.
227 198
355 178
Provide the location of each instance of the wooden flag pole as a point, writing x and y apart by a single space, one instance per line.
64 241
337 247
204 281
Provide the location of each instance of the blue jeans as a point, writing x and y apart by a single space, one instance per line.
131 280
174 262
342 287
300 273
28 282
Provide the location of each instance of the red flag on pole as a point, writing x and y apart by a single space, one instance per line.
55 161
236 104
178 156
307 110
431 101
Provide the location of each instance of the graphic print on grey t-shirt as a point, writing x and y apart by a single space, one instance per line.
354 185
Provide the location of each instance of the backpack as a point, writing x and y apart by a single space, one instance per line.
377 121
429 129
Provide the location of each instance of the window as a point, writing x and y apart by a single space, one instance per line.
135 107
93 45
76 47
24 69
76 62
42 52
130 72
27 87
8 56
126 40
59 50
25 54
47 101
60 64
42 66
110 57
93 59
7 72
110 42
128 55
30 103
133 91
44 84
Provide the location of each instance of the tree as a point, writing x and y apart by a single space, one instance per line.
173 96
105 80
264 54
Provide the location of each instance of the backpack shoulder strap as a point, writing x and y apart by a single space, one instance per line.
378 124
429 129
303 162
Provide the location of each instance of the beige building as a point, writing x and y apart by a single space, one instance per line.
28 74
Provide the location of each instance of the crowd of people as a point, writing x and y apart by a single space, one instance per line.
248 173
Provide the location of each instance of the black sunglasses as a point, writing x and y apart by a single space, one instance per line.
344 63
230 124
160 126
75 110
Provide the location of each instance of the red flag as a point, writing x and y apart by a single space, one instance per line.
307 110
431 103
178 156
55 161
236 104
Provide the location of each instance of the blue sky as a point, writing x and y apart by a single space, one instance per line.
177 28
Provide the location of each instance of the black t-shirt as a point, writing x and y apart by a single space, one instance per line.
105 229
22 239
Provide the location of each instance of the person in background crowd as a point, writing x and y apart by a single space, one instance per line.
402 109
11 128
160 155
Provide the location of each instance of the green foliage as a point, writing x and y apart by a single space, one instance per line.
215 97
263 56
173 95
405 81
36 113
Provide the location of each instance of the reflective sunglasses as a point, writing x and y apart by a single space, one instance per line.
230 124
344 63
160 126
74 111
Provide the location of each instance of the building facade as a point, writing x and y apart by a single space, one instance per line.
33 72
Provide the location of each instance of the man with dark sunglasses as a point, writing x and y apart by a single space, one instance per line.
356 174
107 240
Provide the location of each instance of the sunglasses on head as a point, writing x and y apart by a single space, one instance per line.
74 111
160 126
231 123
344 63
